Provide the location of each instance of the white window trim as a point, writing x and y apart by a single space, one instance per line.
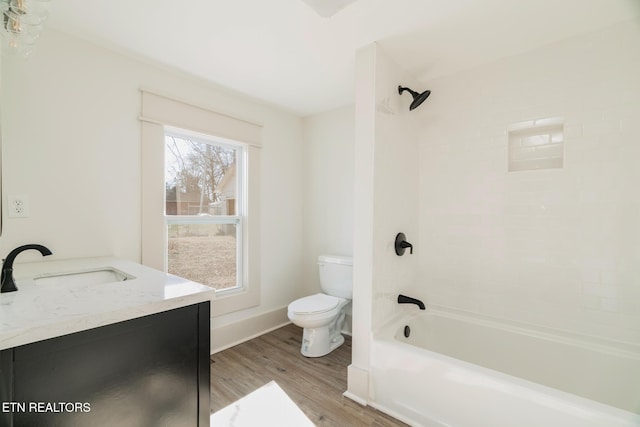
155 110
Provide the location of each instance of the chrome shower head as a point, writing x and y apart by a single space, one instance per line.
418 98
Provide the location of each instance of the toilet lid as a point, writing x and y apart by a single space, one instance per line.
314 304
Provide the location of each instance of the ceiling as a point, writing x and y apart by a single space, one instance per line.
284 53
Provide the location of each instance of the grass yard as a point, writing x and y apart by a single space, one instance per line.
205 258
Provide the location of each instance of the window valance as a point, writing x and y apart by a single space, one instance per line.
164 110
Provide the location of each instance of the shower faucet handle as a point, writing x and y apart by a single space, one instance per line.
407 245
401 244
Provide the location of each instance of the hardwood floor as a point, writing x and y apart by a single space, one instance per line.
314 384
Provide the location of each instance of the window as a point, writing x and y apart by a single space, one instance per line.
204 209
536 144
215 203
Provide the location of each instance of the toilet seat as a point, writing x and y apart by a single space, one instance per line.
315 304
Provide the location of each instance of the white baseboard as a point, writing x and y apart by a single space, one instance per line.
357 384
236 333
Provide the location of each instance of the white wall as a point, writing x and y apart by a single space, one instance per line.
72 144
558 247
328 189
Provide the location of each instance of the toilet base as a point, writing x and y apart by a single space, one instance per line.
318 342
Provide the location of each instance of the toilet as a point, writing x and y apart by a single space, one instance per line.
322 315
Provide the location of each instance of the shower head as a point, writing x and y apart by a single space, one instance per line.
418 98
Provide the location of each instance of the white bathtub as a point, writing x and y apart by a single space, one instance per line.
462 371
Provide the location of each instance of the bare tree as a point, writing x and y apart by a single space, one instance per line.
198 168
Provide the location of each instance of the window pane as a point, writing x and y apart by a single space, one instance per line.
200 178
204 253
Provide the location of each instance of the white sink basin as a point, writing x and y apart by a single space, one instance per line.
84 277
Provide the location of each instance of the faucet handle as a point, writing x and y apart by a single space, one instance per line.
401 244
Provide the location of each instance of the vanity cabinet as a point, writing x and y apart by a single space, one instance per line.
148 371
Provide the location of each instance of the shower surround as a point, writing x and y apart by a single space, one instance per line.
556 248
553 247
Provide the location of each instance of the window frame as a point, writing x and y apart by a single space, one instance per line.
160 110
239 219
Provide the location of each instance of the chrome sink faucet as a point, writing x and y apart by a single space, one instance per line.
6 280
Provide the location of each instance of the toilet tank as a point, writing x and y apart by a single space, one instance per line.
336 275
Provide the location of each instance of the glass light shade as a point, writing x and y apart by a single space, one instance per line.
21 24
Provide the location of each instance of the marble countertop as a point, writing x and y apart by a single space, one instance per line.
267 406
39 311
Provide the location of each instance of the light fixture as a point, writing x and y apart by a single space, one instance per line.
21 24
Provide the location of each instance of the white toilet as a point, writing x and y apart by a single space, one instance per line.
322 315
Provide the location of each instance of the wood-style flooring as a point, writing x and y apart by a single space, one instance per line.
314 384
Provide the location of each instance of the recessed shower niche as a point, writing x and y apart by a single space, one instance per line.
536 144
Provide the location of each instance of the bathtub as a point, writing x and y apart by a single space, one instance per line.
460 370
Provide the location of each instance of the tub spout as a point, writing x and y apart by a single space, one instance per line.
403 299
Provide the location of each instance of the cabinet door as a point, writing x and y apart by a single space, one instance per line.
6 382
142 372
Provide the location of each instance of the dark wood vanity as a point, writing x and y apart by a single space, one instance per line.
148 371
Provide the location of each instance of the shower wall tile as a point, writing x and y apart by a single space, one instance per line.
559 247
